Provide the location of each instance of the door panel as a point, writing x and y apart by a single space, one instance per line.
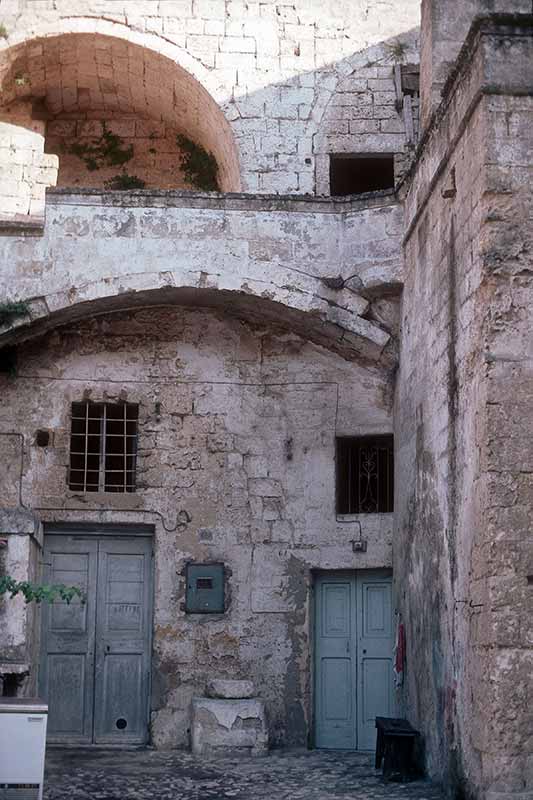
335 718
123 641
374 656
96 656
67 646
336 684
353 658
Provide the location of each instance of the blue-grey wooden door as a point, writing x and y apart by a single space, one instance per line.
335 663
374 655
67 640
353 657
95 657
123 622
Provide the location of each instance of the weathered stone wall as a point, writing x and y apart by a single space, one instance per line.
248 81
444 27
26 171
503 569
216 480
463 460
20 544
362 116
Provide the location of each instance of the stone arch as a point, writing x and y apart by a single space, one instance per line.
347 334
91 67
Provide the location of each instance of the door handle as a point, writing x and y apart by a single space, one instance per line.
364 651
347 646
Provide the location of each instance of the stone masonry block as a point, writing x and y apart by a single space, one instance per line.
229 727
230 690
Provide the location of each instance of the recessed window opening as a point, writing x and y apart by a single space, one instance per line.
103 447
365 475
358 173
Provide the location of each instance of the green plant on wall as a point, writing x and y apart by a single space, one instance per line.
106 151
396 51
125 181
3 31
199 167
34 593
11 310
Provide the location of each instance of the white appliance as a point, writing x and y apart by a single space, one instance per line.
22 747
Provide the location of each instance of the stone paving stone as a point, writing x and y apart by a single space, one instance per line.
178 775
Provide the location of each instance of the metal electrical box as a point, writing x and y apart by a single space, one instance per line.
205 589
22 748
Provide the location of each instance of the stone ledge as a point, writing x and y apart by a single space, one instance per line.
25 226
236 201
230 689
229 727
14 668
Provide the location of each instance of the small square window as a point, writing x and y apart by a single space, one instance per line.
103 447
360 172
365 475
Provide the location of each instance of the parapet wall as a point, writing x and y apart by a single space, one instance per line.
261 258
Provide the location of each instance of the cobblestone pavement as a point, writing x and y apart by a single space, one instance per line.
177 775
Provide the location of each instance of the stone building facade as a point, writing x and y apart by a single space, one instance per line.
358 275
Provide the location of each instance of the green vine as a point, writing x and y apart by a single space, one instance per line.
107 151
37 594
8 311
125 181
199 167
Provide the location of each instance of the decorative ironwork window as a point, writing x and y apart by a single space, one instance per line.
103 447
365 475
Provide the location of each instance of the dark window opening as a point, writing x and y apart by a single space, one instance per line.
103 447
10 683
365 475
355 174
410 74
8 361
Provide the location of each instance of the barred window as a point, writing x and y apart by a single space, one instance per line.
365 475
103 447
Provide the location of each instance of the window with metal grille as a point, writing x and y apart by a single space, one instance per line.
103 447
365 475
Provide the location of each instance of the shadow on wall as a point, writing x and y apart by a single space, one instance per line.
96 111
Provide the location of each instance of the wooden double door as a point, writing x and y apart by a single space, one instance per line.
95 656
353 657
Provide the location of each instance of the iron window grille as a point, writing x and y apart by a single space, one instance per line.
103 447
365 475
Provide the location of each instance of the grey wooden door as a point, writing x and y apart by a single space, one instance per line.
95 657
353 657
122 665
67 640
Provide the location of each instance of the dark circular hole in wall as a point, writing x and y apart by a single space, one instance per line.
121 724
